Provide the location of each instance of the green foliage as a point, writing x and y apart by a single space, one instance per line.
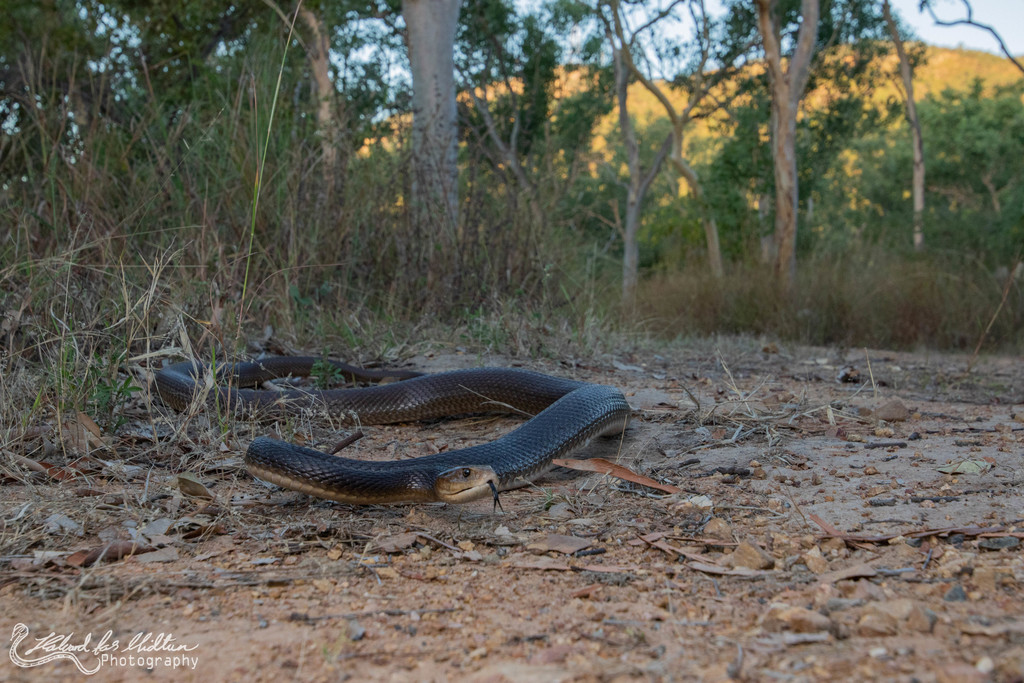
326 375
132 134
108 397
976 170
974 144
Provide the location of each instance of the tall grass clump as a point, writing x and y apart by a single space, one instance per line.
127 213
872 297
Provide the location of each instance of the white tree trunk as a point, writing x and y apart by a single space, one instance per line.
917 181
787 87
430 27
318 53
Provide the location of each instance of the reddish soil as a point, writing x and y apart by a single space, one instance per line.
816 537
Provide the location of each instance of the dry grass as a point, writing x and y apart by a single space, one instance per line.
870 299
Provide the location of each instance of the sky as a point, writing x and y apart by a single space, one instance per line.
1006 16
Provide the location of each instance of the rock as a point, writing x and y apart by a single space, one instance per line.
921 619
784 545
999 543
834 544
752 557
355 630
1010 664
718 528
840 604
782 617
958 672
987 579
892 411
815 561
883 617
898 609
872 625
560 511
955 594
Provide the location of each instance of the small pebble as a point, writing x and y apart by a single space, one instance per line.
999 543
355 630
955 594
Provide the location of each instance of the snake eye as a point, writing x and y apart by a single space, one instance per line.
466 472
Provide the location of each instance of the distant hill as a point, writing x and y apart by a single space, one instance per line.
944 68
956 68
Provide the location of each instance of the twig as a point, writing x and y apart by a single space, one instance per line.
1006 291
346 442
301 616
871 373
969 21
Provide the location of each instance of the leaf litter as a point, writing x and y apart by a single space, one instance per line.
744 544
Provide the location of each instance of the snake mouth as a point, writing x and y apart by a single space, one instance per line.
466 483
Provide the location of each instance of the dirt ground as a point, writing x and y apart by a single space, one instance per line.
866 529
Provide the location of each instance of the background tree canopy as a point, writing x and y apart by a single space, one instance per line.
136 136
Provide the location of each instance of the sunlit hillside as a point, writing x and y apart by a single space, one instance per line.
943 68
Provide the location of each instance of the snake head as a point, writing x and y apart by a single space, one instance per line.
465 483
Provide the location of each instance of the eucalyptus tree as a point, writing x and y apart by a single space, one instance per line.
702 61
533 90
830 48
906 66
787 82
430 29
976 177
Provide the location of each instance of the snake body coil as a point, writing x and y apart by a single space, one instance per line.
568 414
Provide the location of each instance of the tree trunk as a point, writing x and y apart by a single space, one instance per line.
318 54
638 184
430 29
707 220
786 193
917 182
787 87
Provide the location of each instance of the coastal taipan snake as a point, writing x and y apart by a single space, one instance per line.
567 414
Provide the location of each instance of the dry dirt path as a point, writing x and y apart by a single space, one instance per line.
826 530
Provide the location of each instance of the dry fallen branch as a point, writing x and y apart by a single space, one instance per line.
832 532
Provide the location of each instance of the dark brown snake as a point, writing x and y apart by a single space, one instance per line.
567 415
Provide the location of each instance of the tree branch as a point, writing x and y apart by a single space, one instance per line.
969 21
800 64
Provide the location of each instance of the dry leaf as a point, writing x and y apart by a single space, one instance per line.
392 544
539 562
860 571
190 485
111 552
978 466
602 466
83 434
168 554
715 569
559 544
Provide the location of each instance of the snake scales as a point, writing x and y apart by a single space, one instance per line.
567 415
